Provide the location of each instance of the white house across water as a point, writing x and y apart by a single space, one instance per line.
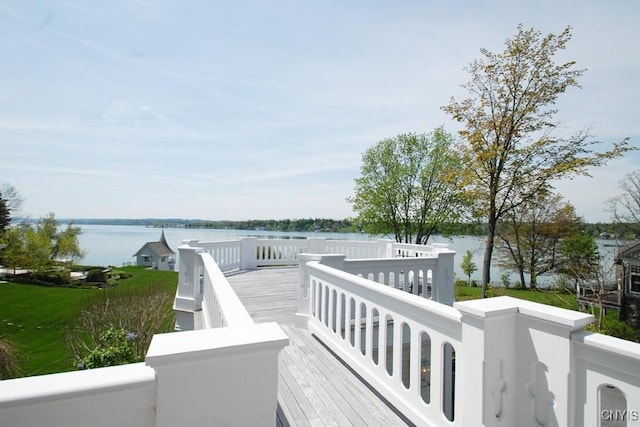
360 333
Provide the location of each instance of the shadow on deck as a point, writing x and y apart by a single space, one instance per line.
314 387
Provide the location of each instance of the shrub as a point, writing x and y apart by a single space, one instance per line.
97 275
115 348
504 279
460 282
46 278
141 313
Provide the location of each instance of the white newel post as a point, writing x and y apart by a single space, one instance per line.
317 245
517 356
304 301
217 377
385 248
304 308
333 260
248 253
442 286
189 293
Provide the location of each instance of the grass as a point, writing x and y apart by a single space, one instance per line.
36 318
548 297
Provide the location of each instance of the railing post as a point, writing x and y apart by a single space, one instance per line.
188 299
317 245
488 371
304 298
385 248
217 377
333 260
518 356
248 253
442 286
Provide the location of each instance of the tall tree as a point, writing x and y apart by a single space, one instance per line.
530 235
409 186
41 245
10 203
511 152
625 207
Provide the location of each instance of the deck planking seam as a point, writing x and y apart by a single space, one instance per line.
315 388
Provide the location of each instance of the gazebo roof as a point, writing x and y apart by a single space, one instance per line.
160 248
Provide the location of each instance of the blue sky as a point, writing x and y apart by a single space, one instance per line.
247 109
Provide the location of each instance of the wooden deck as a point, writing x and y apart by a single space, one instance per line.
314 387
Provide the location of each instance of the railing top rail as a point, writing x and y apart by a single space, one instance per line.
66 385
387 262
608 343
213 243
234 312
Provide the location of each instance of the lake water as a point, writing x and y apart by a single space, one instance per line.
116 244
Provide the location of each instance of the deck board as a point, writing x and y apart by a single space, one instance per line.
314 387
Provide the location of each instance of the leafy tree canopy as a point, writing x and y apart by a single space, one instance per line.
510 150
409 186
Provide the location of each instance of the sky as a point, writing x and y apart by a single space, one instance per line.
262 109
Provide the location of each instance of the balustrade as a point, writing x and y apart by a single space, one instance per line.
504 360
387 310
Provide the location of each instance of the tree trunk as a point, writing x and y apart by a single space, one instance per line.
488 253
534 280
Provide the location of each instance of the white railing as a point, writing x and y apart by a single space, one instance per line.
221 306
250 253
399 344
191 378
607 372
493 362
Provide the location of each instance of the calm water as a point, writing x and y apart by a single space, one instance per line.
116 244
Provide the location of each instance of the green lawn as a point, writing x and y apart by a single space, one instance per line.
35 318
548 297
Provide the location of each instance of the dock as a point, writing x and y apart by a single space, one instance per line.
314 387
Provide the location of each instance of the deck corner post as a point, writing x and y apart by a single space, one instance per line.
248 253
489 366
317 245
304 301
385 248
443 278
188 298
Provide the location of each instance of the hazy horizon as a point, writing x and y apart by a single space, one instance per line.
262 110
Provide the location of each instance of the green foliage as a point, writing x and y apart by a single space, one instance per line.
468 266
142 312
114 348
612 325
97 275
409 187
580 257
54 277
530 235
511 153
41 245
504 279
